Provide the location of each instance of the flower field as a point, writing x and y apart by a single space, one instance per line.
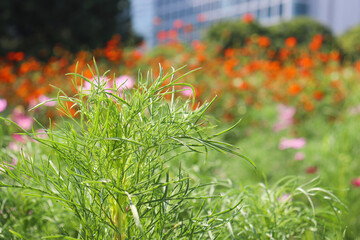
299 109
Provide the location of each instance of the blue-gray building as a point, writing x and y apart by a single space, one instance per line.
162 20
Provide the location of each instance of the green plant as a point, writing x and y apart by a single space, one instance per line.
303 29
349 41
289 210
108 163
233 34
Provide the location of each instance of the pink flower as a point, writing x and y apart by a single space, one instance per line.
121 83
356 182
14 162
285 116
3 165
14 146
299 156
41 99
3 104
96 82
188 91
41 133
18 138
124 82
284 198
355 110
21 119
44 98
296 143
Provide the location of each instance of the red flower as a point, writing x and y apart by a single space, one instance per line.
15 56
311 170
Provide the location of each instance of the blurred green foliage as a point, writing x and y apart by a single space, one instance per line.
35 26
350 42
233 34
303 29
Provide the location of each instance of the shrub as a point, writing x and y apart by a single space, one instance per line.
349 41
234 33
303 29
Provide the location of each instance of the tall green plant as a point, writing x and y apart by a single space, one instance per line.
107 164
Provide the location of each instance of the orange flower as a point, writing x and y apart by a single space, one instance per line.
188 28
114 41
24 89
291 42
316 42
69 108
294 89
178 23
172 34
137 55
29 66
248 18
229 66
305 62
357 66
161 35
87 73
289 72
284 53
198 46
113 54
264 41
6 75
201 58
335 56
308 106
229 52
318 95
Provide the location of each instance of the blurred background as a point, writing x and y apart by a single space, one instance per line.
155 20
36 26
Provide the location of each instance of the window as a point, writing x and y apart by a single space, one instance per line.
300 9
280 9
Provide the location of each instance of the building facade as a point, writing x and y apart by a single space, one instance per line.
163 20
